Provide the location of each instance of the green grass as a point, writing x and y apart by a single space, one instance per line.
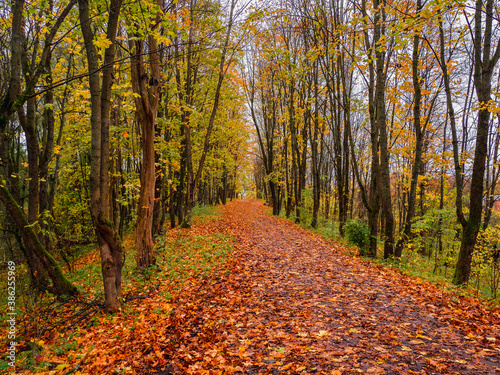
418 266
204 213
196 255
326 228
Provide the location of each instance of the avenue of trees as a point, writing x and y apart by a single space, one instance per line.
119 117
385 112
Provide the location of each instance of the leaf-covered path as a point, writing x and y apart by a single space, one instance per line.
294 304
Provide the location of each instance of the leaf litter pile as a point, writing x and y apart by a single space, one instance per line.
290 303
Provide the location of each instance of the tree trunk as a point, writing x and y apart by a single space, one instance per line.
316 160
419 144
380 110
107 238
372 202
147 90
495 175
143 233
484 64
60 284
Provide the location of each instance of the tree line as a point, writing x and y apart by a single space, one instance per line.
114 117
383 111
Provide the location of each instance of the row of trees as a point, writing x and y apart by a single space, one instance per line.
113 115
392 104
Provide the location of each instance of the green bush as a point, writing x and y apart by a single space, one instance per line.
358 234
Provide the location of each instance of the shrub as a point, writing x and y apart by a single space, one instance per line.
358 234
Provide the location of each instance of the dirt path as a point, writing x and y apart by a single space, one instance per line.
295 305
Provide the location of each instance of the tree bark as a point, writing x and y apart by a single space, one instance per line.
372 202
60 284
380 110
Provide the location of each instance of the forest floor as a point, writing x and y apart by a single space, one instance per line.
289 303
295 304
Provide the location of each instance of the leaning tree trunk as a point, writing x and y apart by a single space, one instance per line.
41 262
60 284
